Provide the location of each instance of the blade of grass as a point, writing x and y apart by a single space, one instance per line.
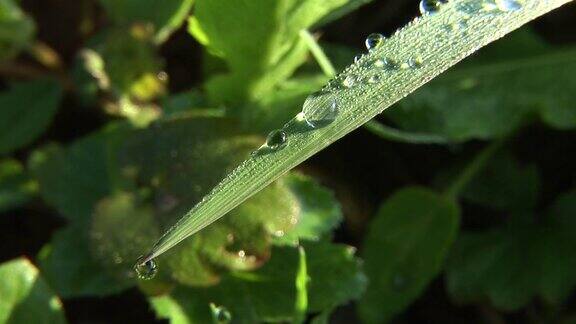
373 126
439 41
301 305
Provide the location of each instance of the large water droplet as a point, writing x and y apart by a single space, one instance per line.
374 40
509 5
276 139
428 7
220 314
320 109
146 270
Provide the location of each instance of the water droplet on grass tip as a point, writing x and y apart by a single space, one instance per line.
428 7
509 5
374 40
320 109
146 270
276 139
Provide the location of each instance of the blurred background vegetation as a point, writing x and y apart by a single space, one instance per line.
457 205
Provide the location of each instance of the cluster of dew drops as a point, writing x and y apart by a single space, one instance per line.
321 108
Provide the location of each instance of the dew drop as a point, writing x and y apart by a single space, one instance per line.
146 270
428 7
508 5
373 41
320 109
276 139
379 63
415 62
220 314
374 79
390 64
349 81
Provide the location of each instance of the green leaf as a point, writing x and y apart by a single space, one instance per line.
16 30
504 184
512 265
70 268
282 104
180 158
342 11
26 298
261 44
427 38
16 187
268 294
131 64
165 15
319 211
27 110
470 101
74 179
404 250
119 230
184 103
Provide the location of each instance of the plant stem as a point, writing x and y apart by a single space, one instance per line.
301 304
475 166
393 134
318 53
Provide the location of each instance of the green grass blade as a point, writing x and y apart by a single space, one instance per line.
439 41
301 305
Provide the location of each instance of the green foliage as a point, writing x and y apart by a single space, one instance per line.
26 298
165 16
404 250
516 263
493 93
74 180
16 30
268 293
505 184
92 182
362 100
16 187
127 157
27 110
261 46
